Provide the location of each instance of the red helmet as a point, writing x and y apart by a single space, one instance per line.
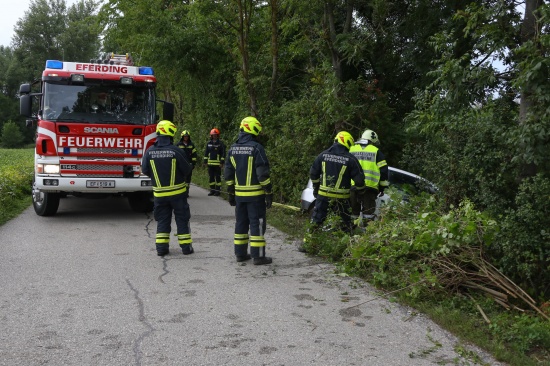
214 131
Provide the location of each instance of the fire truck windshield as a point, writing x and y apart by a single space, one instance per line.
114 103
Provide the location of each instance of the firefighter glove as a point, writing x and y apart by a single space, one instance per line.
268 200
231 195
315 189
381 191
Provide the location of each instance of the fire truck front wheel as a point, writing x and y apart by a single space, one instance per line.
141 201
45 203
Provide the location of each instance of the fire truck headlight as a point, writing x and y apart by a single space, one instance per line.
47 169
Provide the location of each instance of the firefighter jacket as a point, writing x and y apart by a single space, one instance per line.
333 170
167 166
373 163
214 153
189 150
247 171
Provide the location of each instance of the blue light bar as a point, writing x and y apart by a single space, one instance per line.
54 64
146 70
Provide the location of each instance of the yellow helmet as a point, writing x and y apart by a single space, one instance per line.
251 125
185 133
344 138
370 135
166 128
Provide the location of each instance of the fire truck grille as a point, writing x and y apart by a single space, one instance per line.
101 151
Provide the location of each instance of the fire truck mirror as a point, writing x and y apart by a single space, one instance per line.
25 105
168 111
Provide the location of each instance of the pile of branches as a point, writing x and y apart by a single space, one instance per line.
466 268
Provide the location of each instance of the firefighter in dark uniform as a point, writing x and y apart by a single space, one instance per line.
249 186
214 155
167 165
376 170
331 175
188 147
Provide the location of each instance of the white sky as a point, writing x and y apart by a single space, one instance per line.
10 14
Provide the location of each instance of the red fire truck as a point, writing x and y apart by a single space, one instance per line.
94 122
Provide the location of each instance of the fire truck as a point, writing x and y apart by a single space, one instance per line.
94 120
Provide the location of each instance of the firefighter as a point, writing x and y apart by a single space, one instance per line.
331 175
188 147
374 166
214 158
249 188
168 168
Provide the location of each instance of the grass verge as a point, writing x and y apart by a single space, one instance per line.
16 166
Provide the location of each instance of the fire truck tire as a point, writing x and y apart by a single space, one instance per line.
141 201
45 204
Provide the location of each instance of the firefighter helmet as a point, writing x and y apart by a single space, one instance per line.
370 135
166 128
185 133
251 125
214 131
344 138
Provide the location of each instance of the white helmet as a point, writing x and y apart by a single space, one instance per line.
370 135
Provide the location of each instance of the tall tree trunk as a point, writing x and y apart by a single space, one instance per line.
245 9
530 28
274 49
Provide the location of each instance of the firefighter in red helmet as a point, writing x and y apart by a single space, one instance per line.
214 157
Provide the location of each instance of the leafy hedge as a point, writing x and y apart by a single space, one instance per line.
15 181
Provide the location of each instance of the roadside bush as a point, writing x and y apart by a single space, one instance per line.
12 136
15 181
522 248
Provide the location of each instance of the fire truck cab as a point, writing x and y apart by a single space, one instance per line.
94 122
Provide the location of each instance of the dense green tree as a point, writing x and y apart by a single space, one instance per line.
50 30
11 136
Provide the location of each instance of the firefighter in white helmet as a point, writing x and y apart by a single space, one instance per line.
168 167
374 166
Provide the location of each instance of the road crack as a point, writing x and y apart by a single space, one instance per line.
143 319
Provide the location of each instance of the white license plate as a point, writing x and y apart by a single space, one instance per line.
100 184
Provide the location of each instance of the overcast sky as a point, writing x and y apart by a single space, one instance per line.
10 14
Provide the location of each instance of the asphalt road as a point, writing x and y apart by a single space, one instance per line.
86 287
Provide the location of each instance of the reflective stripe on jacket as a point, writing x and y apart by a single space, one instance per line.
214 153
167 166
247 169
333 171
373 162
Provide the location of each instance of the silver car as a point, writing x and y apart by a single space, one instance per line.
402 180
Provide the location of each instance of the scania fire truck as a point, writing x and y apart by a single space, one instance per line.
94 121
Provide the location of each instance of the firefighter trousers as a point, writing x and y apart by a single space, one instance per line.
339 206
250 218
215 178
164 206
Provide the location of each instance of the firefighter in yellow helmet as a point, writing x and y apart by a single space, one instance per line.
168 167
331 175
247 176
214 158
190 150
374 166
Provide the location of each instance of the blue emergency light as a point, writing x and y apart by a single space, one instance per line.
66 150
54 64
146 70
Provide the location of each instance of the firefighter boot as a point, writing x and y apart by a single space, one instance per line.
187 249
163 249
212 193
258 253
242 258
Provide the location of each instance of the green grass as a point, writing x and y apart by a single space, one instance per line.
16 166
